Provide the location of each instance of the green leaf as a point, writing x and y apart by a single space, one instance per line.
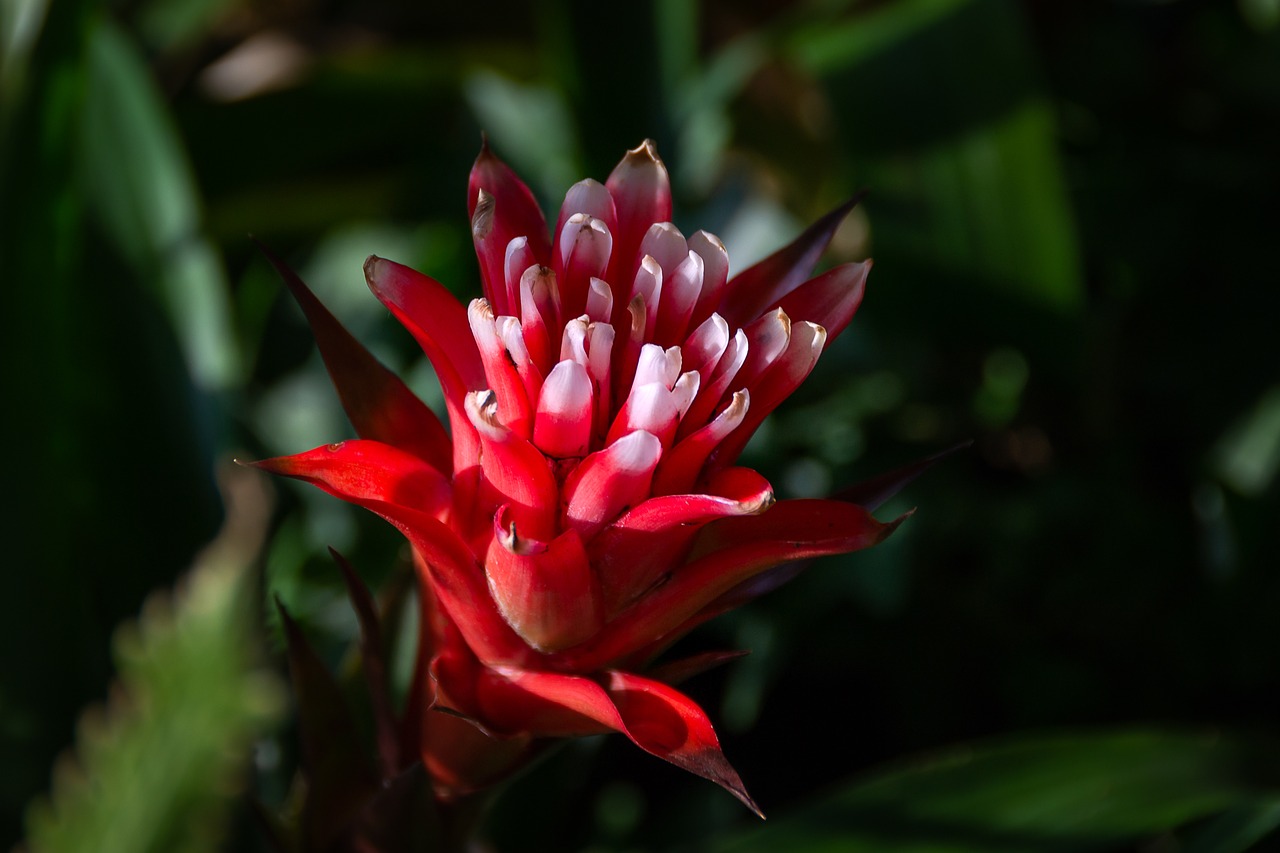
158 767
1235 830
506 109
146 199
1034 793
950 129
20 22
830 45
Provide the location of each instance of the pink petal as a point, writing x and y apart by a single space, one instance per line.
751 292
679 296
515 410
712 391
539 315
438 322
733 550
665 244
589 197
626 354
547 592
512 335
516 471
775 385
705 345
584 251
658 365
519 257
685 389
502 208
651 408
599 301
379 405
600 339
609 481
715 271
641 193
563 424
649 404
647 285
768 337
681 467
573 343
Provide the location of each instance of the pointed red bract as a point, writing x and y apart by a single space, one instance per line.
502 209
378 404
668 724
829 300
657 718
732 551
367 470
751 292
646 542
641 193
775 384
546 591
439 324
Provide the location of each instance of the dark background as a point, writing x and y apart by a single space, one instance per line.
1072 210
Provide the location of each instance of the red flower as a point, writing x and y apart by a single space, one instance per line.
586 511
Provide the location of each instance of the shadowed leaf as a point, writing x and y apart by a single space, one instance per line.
1093 791
373 657
753 290
340 781
871 494
157 767
378 403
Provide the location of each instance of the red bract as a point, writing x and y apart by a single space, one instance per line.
583 511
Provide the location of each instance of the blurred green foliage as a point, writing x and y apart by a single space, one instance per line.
1072 214
1063 792
158 768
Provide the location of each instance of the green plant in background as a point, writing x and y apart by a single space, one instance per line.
159 767
1068 211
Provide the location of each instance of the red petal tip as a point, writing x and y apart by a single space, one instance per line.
713 766
260 464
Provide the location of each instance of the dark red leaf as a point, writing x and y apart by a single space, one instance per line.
340 781
754 290
373 658
678 671
379 405
872 493
732 551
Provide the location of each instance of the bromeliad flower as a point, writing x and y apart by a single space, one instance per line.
583 511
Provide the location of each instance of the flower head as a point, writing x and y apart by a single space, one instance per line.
583 510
